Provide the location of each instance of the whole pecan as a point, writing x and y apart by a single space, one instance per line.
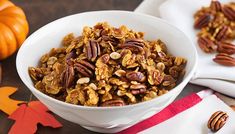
67 77
202 21
113 102
222 33
229 12
217 121
138 89
206 44
92 50
135 76
136 45
216 5
84 68
224 59
225 47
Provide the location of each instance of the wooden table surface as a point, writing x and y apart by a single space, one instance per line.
39 13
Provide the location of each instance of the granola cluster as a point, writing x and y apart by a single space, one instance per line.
217 31
107 66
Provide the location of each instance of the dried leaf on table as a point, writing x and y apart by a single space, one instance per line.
7 104
27 116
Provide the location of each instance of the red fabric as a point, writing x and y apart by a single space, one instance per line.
167 113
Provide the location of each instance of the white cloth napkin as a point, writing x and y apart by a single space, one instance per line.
192 120
180 13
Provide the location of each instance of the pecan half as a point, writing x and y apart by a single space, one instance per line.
154 76
84 68
92 50
113 102
136 45
168 81
72 55
35 73
67 77
138 89
225 47
112 39
135 76
222 33
105 58
233 107
202 21
206 44
216 5
224 59
217 121
229 12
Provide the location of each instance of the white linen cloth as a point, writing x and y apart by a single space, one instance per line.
194 120
180 13
188 115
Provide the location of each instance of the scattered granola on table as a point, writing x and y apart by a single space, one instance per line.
107 66
217 31
217 121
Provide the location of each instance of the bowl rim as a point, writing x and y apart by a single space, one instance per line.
48 98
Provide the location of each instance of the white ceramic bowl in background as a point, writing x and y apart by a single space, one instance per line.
111 119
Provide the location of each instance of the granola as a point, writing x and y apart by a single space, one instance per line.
217 29
107 66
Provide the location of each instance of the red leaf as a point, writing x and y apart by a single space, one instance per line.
28 116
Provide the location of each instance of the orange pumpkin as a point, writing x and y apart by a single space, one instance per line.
13 28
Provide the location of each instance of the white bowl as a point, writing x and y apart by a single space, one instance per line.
100 119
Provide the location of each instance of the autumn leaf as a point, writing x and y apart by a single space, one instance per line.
7 104
27 116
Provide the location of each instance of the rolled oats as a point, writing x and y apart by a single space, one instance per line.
115 55
108 66
83 80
